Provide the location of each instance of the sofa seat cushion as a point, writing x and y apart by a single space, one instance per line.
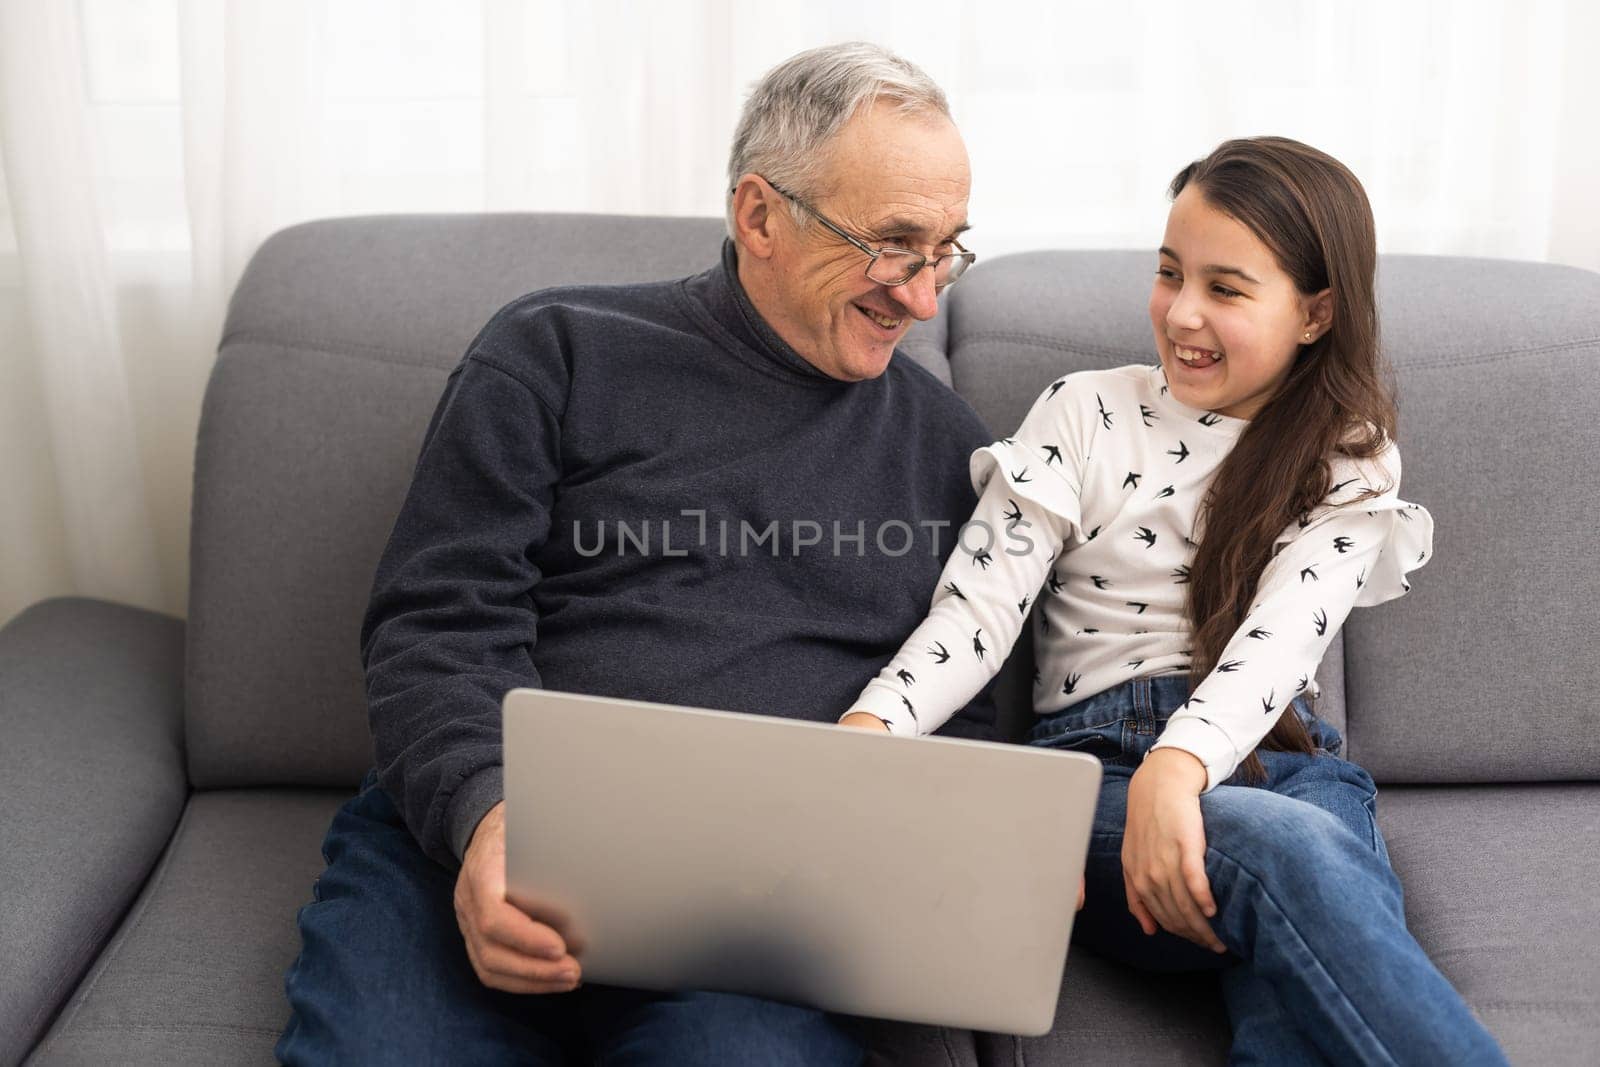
1112 1014
1500 884
1500 887
195 973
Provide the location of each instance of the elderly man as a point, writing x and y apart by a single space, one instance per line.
803 484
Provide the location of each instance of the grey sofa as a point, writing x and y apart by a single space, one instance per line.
166 784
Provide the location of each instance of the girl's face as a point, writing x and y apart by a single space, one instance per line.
1228 320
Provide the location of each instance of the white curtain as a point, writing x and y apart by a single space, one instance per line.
148 146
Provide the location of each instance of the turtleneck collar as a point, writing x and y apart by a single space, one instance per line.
720 293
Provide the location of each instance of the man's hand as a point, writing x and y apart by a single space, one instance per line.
1164 849
508 949
862 720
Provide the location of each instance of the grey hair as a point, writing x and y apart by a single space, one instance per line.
799 105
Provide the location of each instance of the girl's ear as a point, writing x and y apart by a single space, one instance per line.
1319 313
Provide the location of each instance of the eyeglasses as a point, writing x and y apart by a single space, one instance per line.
890 265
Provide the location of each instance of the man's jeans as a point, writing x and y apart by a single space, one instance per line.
383 977
1321 968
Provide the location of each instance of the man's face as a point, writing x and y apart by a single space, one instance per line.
890 179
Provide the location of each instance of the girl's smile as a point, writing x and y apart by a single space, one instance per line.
1196 358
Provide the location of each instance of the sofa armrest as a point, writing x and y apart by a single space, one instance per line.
91 785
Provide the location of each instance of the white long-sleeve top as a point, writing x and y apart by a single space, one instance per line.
1087 517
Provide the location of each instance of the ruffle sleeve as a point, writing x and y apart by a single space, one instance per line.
1043 461
1404 528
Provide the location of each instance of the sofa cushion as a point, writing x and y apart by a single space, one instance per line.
336 348
1486 671
1499 884
1113 1015
1500 424
1500 888
195 974
303 460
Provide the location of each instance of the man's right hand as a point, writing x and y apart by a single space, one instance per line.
509 950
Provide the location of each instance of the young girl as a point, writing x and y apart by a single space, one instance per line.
1189 537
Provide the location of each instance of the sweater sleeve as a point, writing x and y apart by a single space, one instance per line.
1349 554
1027 510
451 623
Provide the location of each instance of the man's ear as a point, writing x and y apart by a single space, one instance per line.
754 205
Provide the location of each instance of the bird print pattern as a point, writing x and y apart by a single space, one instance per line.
1104 478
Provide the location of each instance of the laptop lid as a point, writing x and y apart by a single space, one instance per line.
928 880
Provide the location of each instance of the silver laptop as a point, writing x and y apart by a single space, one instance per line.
926 880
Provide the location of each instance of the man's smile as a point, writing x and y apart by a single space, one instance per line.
888 323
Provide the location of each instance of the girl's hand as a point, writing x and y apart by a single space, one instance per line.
1164 849
862 720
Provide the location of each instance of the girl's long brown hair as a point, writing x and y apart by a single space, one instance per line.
1312 213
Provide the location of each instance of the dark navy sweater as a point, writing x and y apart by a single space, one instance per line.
578 409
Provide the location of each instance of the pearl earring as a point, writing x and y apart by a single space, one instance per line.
1308 337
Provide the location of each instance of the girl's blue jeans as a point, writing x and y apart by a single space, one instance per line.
1321 967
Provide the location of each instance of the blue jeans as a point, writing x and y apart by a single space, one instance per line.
383 977
1321 967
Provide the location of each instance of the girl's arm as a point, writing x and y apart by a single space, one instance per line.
999 562
1351 555
1305 594
1355 554
1028 505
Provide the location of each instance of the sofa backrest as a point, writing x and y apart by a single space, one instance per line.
1492 674
341 333
1488 669
337 344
